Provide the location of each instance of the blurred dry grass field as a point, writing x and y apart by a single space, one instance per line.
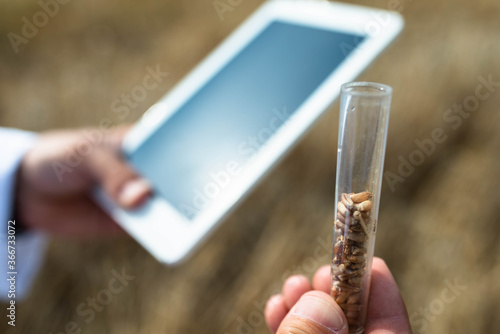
439 226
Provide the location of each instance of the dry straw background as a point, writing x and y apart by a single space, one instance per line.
440 225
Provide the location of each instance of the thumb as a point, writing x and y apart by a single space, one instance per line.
314 313
117 178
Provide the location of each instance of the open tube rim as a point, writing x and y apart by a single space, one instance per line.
364 88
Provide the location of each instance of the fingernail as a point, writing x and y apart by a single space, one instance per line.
275 300
272 303
134 192
318 311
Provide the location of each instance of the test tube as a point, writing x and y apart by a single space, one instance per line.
364 120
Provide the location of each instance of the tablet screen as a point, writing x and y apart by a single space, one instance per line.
203 148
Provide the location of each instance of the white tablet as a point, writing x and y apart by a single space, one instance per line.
206 143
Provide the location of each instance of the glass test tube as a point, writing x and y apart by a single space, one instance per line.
364 119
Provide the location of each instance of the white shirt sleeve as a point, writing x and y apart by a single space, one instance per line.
29 246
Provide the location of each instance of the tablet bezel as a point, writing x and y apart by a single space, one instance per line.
165 232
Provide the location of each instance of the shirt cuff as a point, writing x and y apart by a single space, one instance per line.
30 246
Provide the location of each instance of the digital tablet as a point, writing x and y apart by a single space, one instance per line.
206 143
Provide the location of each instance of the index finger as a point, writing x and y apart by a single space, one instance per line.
386 308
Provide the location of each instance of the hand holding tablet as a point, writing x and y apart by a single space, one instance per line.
206 143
